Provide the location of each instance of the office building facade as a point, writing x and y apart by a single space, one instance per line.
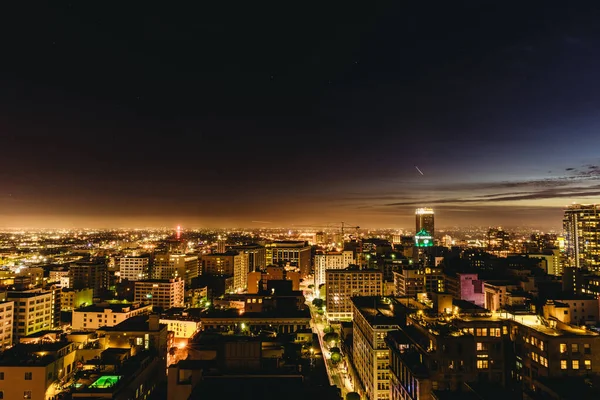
134 268
343 285
331 260
161 293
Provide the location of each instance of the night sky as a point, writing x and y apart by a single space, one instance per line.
140 116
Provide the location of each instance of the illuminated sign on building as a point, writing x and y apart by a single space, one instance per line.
423 239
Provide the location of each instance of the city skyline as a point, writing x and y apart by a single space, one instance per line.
156 118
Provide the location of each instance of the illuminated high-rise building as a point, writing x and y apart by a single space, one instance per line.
581 224
425 221
221 243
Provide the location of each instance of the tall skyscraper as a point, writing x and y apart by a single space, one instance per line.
425 221
581 224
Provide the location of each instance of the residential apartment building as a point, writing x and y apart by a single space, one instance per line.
343 285
181 328
93 317
581 224
30 371
373 318
89 275
294 253
171 265
331 260
134 268
446 346
161 293
580 309
7 315
33 311
56 275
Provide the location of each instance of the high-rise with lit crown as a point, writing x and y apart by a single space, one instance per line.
425 221
581 224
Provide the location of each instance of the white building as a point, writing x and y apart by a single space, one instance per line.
134 268
181 328
93 317
57 275
342 285
165 293
33 310
6 324
331 260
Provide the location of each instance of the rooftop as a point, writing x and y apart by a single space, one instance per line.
376 310
24 295
255 315
33 354
158 280
138 323
114 307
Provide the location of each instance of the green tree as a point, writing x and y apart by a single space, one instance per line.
328 329
331 337
353 396
318 303
336 357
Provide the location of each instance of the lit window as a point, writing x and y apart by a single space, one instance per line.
588 364
575 364
563 364
482 364
574 348
563 347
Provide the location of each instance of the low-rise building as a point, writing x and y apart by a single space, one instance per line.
106 315
278 322
31 371
7 314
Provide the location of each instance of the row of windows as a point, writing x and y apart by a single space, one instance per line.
575 364
587 349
